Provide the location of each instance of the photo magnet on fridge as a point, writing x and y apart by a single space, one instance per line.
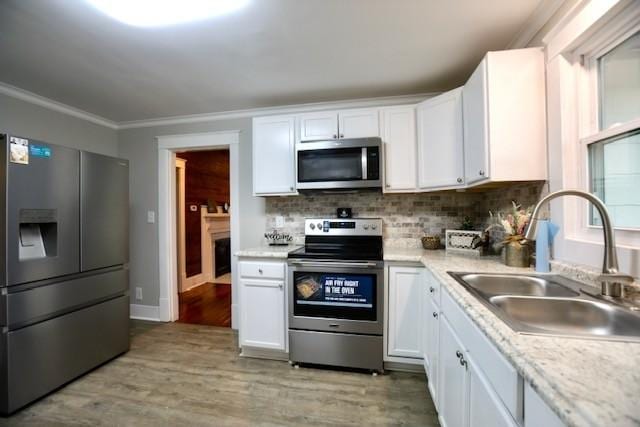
19 150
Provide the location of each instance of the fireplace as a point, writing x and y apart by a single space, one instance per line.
222 264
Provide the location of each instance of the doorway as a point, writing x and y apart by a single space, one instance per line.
168 192
204 240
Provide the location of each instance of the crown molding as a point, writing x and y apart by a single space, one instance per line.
543 13
50 104
286 109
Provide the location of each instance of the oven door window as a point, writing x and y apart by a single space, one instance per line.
343 164
335 295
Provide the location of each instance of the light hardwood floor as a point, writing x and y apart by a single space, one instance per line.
189 375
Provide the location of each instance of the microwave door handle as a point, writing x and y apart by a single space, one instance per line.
364 163
334 264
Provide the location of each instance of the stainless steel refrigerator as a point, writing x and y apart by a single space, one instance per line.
64 303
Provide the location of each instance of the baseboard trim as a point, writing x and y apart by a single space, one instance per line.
164 310
144 312
403 367
261 353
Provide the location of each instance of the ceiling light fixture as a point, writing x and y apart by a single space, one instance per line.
160 13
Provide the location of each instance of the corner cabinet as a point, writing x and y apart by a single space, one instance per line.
263 307
274 156
505 119
398 130
440 142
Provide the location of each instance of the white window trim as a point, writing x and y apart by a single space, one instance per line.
591 29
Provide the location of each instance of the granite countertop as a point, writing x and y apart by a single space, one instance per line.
585 382
267 251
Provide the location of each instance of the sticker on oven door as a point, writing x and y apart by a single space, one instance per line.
39 151
348 290
19 150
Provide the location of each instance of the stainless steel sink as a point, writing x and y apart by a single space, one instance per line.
570 316
508 284
551 305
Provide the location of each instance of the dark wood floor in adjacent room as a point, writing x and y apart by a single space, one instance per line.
190 375
207 304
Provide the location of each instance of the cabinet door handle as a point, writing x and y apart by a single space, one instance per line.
463 362
281 286
481 173
260 270
435 314
431 289
290 188
459 180
458 354
342 135
335 136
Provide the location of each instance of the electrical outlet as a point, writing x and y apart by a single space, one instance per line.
279 221
151 217
139 293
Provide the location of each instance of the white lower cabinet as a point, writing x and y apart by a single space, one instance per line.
485 407
405 289
263 311
430 338
470 381
465 395
452 389
538 414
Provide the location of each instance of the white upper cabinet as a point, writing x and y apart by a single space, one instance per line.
358 123
504 118
399 141
319 126
440 142
476 155
273 155
343 124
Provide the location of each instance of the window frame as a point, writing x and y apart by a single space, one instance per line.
590 28
588 79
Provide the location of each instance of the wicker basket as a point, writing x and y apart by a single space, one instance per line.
431 242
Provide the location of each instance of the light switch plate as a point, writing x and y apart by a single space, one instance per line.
279 221
139 294
151 217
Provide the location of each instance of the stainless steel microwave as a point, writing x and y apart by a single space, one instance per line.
339 164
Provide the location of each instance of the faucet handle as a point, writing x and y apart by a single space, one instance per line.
616 278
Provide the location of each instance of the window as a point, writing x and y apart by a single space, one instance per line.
614 146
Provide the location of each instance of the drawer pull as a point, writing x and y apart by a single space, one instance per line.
435 314
260 270
432 289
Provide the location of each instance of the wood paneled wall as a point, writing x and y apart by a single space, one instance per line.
207 178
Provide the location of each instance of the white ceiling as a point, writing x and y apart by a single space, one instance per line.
274 52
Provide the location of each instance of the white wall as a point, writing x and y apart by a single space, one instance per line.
140 147
32 121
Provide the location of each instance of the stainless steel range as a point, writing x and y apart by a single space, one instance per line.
336 294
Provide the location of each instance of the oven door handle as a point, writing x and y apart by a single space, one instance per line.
335 264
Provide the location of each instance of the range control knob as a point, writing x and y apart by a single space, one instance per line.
319 225
366 226
312 226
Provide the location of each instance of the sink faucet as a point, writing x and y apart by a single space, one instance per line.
612 281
